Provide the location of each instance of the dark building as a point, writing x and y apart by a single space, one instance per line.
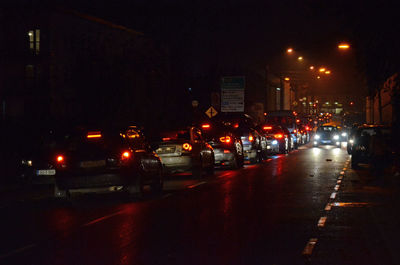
61 65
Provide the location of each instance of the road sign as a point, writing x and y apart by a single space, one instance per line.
211 112
232 94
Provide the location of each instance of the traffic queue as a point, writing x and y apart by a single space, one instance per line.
126 158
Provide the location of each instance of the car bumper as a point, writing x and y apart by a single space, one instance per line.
65 181
222 157
174 164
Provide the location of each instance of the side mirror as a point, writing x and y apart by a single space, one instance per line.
154 146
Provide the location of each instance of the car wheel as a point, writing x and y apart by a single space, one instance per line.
158 184
135 191
62 194
348 149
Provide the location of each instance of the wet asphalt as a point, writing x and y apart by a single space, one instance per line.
281 211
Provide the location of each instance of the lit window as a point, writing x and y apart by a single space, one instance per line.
34 41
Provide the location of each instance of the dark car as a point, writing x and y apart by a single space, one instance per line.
370 140
281 136
185 150
286 119
228 147
87 160
327 134
350 139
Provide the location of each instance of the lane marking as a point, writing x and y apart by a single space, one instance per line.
103 218
16 251
339 181
337 187
309 247
328 207
340 177
342 173
333 195
196 185
322 221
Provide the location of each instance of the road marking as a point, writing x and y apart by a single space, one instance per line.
333 195
351 204
322 220
103 218
339 181
340 177
310 246
337 187
16 251
196 185
342 173
328 207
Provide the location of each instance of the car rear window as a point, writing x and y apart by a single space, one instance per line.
175 135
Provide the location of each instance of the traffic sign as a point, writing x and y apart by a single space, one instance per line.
211 112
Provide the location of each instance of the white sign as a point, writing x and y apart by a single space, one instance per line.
232 94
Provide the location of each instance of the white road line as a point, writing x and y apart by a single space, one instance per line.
337 187
328 207
341 172
310 246
340 177
16 251
339 181
196 185
322 221
103 218
333 195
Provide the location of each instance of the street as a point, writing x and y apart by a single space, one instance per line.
286 210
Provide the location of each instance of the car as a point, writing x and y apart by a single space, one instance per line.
304 133
362 149
91 160
287 119
327 134
280 135
185 150
228 147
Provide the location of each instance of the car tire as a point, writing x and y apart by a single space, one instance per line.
158 184
348 150
135 191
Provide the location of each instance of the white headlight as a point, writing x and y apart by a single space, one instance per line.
344 134
26 162
274 142
317 136
351 141
336 137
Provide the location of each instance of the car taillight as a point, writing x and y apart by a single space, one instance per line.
187 147
251 138
93 135
225 139
206 126
60 159
307 128
294 131
236 125
267 127
278 136
126 155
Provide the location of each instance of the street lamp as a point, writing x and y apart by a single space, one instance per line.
343 46
322 69
300 58
289 50
287 79
312 67
327 72
318 77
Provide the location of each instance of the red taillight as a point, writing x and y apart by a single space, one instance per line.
307 128
251 138
278 136
92 135
267 127
166 139
187 147
226 151
225 139
298 121
236 125
60 159
126 155
206 126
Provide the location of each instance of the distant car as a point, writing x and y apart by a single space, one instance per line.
228 147
185 150
361 149
327 135
280 135
288 120
86 160
304 134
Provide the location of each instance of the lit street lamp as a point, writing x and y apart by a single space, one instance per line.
322 69
343 46
289 50
327 72
300 58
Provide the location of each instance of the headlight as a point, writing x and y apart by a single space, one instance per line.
317 136
336 137
344 134
274 142
26 162
351 141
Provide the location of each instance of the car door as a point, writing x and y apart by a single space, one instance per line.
203 147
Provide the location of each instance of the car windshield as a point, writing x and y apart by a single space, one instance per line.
175 135
327 129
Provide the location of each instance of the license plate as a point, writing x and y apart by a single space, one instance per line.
46 172
90 164
166 150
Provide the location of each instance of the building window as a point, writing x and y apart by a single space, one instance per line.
34 41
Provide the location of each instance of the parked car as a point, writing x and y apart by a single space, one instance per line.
304 134
365 149
87 160
327 134
185 150
228 147
280 135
